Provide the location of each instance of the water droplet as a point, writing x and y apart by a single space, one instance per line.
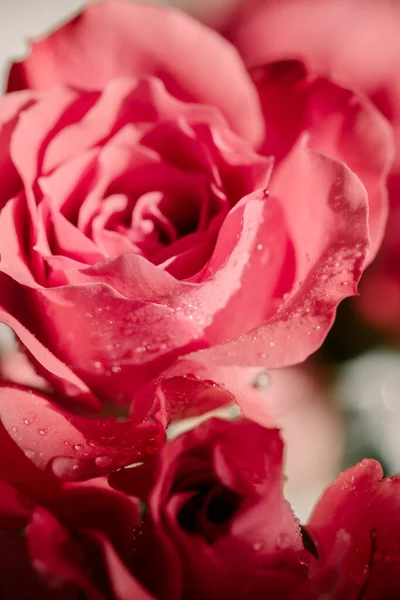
78 447
103 462
261 380
272 344
97 364
30 453
14 429
259 247
266 193
42 431
304 557
65 467
140 349
115 369
26 421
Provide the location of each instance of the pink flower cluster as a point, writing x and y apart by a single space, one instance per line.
206 518
172 215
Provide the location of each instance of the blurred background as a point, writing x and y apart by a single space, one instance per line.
344 404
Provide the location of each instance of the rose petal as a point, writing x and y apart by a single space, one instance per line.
340 125
157 38
15 367
10 107
236 251
94 505
55 554
14 508
362 506
70 446
357 41
54 111
56 371
124 585
325 207
17 469
18 577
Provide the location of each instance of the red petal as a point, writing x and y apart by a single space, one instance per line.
72 447
364 508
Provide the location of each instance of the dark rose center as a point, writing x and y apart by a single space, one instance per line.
209 511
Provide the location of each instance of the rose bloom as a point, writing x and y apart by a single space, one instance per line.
62 540
218 526
358 43
213 524
159 201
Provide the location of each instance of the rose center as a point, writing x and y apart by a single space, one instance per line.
209 511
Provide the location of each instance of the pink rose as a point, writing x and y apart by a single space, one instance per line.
63 540
146 217
213 524
218 526
66 541
358 43
355 528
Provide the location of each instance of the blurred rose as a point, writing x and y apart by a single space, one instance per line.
356 42
355 528
301 405
213 12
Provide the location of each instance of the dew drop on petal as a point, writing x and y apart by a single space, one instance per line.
103 462
65 467
304 558
261 381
